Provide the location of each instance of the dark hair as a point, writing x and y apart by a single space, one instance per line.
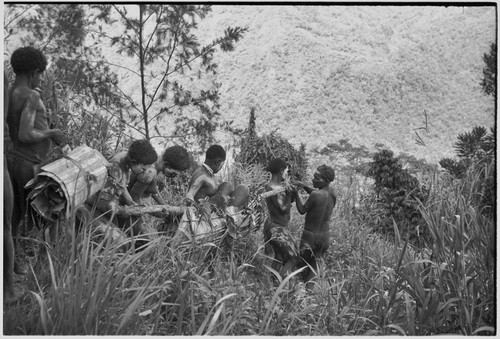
143 152
215 152
277 165
327 172
176 157
28 59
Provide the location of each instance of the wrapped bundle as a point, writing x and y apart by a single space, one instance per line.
200 225
65 184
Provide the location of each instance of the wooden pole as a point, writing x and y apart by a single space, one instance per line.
140 210
273 192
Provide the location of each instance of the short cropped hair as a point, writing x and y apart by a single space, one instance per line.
215 152
277 165
176 157
28 59
327 172
143 152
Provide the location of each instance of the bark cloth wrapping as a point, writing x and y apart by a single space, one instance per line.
201 225
64 184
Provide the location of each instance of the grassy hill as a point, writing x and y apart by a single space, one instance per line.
367 73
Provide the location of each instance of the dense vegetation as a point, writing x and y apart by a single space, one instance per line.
412 247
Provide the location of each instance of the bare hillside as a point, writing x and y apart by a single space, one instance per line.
366 73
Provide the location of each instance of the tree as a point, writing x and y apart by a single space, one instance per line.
398 193
173 69
489 82
171 73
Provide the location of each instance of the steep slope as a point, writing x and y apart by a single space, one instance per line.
367 73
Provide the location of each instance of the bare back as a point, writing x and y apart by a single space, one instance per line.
319 207
27 108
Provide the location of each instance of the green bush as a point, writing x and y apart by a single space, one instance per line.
261 150
397 196
476 156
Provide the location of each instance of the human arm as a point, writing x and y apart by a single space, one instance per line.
143 184
27 131
305 207
127 198
158 198
306 188
195 187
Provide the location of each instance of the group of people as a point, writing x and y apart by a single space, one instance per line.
318 207
134 176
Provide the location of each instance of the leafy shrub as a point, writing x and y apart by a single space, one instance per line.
397 196
454 167
261 150
476 155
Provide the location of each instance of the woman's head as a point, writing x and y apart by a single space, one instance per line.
175 160
141 154
26 60
31 62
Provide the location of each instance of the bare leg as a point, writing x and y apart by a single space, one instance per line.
23 173
9 294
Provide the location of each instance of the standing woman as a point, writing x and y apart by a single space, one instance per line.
31 137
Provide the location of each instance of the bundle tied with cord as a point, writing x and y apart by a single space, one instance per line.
64 185
200 224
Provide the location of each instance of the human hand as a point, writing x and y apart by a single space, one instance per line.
58 136
292 190
298 184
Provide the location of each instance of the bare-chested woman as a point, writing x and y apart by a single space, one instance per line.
29 131
318 209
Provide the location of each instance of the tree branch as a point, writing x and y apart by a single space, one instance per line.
157 114
154 30
166 70
125 18
167 73
17 16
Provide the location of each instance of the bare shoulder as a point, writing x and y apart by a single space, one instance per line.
316 195
24 95
332 191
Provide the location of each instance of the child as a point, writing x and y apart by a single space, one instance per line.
279 243
319 206
221 198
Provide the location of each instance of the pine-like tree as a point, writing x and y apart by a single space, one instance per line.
173 69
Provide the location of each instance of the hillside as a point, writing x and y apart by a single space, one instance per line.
367 73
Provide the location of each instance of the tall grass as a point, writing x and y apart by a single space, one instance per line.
366 284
